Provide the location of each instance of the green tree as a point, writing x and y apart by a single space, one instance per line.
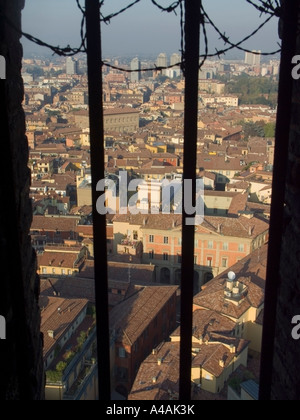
252 129
161 78
253 90
69 356
53 376
35 71
61 366
269 130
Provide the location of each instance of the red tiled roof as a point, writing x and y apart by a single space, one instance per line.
240 227
132 316
57 259
62 224
69 288
251 271
208 322
58 315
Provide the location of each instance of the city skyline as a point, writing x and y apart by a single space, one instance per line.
144 30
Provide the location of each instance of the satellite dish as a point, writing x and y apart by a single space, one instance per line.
231 276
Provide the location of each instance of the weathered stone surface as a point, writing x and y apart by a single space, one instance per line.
19 282
286 363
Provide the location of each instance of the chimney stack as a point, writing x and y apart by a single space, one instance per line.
51 333
232 349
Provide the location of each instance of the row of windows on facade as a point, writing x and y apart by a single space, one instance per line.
210 244
120 129
54 271
116 120
209 260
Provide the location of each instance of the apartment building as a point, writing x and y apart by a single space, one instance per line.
216 354
211 86
62 261
55 229
227 322
220 242
138 325
122 120
241 298
69 349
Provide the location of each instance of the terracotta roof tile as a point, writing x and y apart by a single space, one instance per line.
251 271
207 322
57 259
57 315
240 227
166 375
62 224
132 316
69 287
161 382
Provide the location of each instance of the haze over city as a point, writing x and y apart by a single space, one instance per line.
144 30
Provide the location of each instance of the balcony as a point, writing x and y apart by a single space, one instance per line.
128 247
86 378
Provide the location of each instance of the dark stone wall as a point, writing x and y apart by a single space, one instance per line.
286 363
21 365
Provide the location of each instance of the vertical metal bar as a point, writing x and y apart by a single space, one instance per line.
94 58
192 40
290 13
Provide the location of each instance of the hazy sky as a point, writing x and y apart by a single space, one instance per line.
143 29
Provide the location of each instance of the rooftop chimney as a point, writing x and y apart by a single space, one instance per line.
159 361
51 333
232 349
